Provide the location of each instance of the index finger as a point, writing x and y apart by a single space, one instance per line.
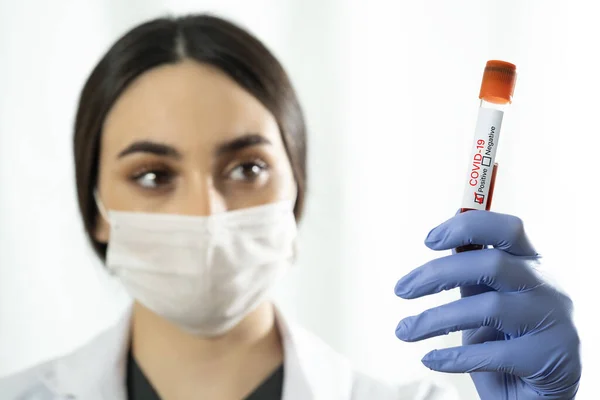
504 232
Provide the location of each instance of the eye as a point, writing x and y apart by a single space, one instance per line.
248 171
153 178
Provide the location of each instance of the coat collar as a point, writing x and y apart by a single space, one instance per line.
312 369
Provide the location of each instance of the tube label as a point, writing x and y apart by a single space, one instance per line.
482 157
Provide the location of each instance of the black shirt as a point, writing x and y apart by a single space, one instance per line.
139 388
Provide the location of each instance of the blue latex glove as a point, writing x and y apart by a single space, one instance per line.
519 341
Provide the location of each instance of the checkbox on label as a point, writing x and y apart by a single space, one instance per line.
487 161
479 198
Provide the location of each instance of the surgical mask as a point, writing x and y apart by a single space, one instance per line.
203 274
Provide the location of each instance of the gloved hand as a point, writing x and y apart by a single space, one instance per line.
519 341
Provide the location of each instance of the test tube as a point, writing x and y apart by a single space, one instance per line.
497 87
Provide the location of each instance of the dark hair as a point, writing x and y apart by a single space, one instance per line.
206 39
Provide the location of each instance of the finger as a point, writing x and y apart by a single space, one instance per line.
494 268
504 232
491 309
466 291
508 356
483 334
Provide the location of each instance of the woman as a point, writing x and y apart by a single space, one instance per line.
190 164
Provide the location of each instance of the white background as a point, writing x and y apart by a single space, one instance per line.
390 91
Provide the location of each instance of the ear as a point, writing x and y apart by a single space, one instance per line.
102 226
102 231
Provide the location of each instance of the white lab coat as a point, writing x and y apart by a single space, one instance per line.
313 371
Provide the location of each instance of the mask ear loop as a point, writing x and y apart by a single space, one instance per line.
104 215
100 206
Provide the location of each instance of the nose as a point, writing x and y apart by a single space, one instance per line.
201 198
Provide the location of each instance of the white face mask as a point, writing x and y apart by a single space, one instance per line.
204 274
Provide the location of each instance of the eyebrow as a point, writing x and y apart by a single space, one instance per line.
164 150
248 140
146 146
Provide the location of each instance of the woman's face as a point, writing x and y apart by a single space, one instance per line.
186 139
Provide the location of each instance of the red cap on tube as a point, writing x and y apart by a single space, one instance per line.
498 83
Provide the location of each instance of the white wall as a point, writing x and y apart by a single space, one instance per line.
390 93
